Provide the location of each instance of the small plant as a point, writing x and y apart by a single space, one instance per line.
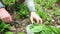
22 11
3 26
44 15
44 29
57 14
20 32
8 2
8 32
42 7
47 3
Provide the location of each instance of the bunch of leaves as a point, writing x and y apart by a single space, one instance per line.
8 32
57 14
56 11
46 3
20 32
42 9
22 11
8 2
44 15
3 26
37 1
44 29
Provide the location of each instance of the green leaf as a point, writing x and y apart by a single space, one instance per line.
8 2
44 29
21 33
8 32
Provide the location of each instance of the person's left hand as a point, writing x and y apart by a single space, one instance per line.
36 17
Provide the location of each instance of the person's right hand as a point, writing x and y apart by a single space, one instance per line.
34 16
5 16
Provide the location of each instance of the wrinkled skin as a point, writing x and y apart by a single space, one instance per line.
5 16
34 16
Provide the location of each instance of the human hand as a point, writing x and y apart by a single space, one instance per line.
34 16
5 16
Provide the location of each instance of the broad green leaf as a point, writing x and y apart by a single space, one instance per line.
8 32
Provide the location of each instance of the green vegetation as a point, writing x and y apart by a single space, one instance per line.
44 29
3 26
46 3
57 14
8 2
42 7
23 11
8 32
20 32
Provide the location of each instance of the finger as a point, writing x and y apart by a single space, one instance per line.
7 19
4 19
40 21
37 20
10 19
31 19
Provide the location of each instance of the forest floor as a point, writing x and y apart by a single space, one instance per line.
22 23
